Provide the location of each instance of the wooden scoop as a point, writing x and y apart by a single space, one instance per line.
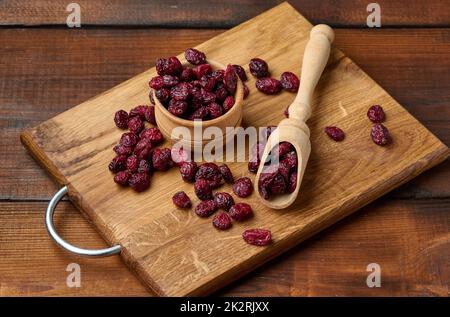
294 129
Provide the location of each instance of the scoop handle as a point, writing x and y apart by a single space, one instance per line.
315 58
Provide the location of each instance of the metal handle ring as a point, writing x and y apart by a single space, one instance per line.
61 242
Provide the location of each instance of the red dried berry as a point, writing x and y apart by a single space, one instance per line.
163 95
135 125
376 114
149 115
170 66
230 79
335 133
144 167
122 177
181 200
290 159
181 91
223 200
240 211
292 182
177 107
132 163
143 149
228 103
239 70
188 170
153 134
221 93
139 181
202 189
281 149
258 237
199 114
121 119
156 82
215 110
258 68
162 159
243 187
218 75
208 82
253 166
195 57
211 173
186 74
380 134
206 208
139 111
207 97
118 163
246 91
269 86
289 81
278 185
202 70
129 139
170 81
122 149
222 221
226 173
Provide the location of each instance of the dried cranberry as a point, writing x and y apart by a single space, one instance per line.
258 68
203 189
206 208
177 107
226 173
228 103
202 70
335 133
144 167
269 86
128 139
215 110
135 125
218 75
208 83
186 74
221 94
139 111
162 159
156 82
223 200
150 115
123 150
290 159
281 149
292 182
139 181
118 163
243 187
188 170
170 66
199 114
289 81
121 119
380 134
195 57
222 221
170 81
179 155
230 79
153 134
376 114
122 177
181 200
253 166
132 163
211 173
181 91
240 211
163 95
143 149
150 96
246 91
207 97
239 70
278 185
259 237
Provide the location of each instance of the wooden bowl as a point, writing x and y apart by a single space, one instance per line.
167 122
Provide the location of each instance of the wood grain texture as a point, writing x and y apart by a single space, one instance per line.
176 253
412 246
220 14
39 88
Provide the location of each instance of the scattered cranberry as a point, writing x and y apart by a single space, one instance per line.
150 114
170 66
135 125
128 139
380 134
203 189
118 163
258 68
269 86
223 200
259 237
132 163
222 221
187 74
210 172
122 177
181 91
240 211
154 135
202 70
162 159
139 181
243 187
228 103
206 208
230 79
139 111
121 119
143 149
163 95
253 166
289 81
181 200
177 107
122 149
170 81
239 70
376 114
335 133
144 167
156 83
226 173
195 57
188 170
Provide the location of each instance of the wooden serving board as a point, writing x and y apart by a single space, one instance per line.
176 253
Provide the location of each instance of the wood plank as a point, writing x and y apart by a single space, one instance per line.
34 91
176 253
408 239
220 14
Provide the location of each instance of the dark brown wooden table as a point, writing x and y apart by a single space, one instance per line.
46 68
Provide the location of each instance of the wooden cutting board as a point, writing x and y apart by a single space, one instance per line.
176 253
